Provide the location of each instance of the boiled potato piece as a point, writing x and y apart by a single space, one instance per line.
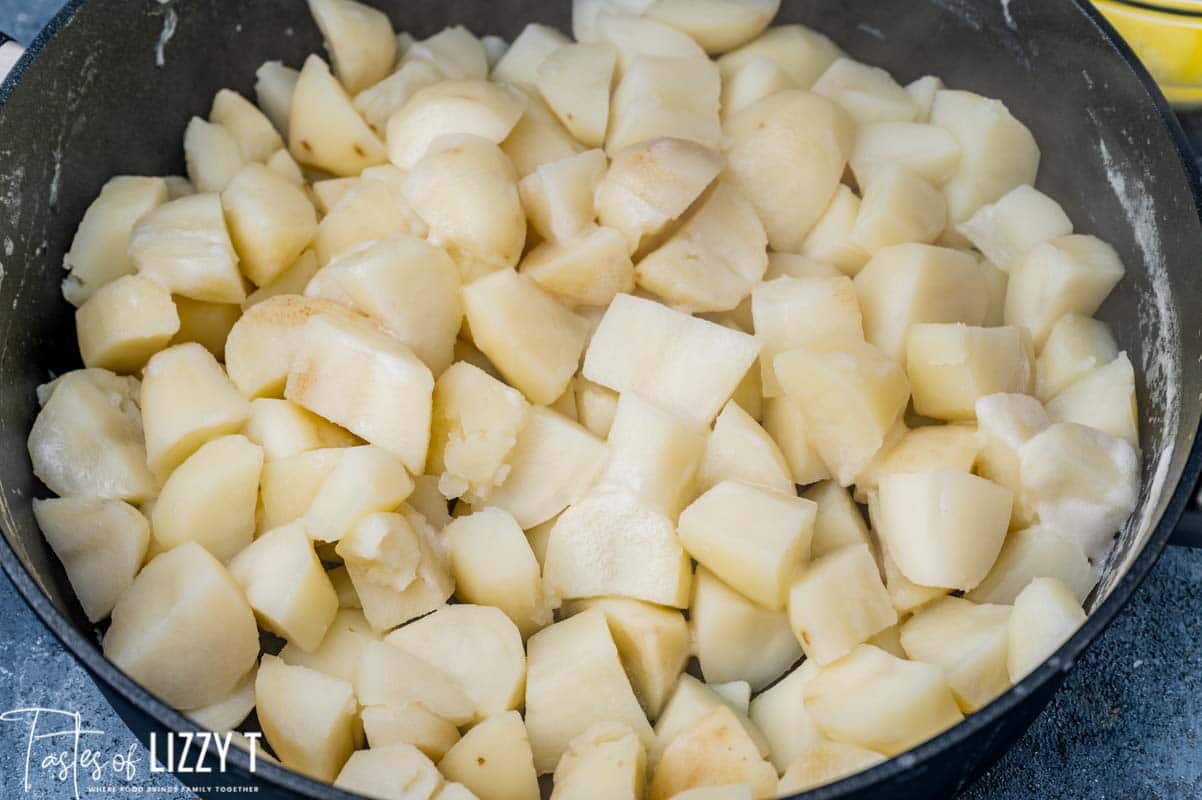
492 564
753 81
785 422
715 750
636 36
324 129
837 521
929 447
826 762
381 100
952 365
232 710
184 245
781 715
691 700
898 207
589 269
186 401
124 323
716 25
316 735
494 48
776 141
271 221
739 449
553 464
736 638
183 629
665 96
880 702
969 641
366 479
850 395
537 138
1006 231
1045 615
627 350
359 39
923 90
519 65
286 586
830 240
928 151
388 675
1076 345
867 94
1103 398
396 772
494 760
474 107
372 207
575 81
1035 552
101 544
256 137
207 324
607 760
905 595
409 723
98 250
943 527
210 498
454 51
274 84
801 53
340 651
390 403
652 183
1005 422
284 429
291 281
212 155
838 602
558 195
478 647
997 152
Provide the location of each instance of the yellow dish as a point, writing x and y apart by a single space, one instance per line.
1168 39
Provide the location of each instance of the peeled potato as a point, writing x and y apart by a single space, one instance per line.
493 759
359 39
324 129
575 80
474 107
124 323
716 25
185 246
315 736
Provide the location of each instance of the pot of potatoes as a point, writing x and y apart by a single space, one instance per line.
617 399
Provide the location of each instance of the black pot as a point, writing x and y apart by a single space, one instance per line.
109 85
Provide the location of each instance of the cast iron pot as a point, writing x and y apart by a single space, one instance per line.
108 86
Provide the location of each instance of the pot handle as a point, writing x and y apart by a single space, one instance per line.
10 53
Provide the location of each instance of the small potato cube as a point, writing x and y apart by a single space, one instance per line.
324 129
101 544
359 39
928 447
1035 552
829 241
454 51
943 527
905 595
564 657
429 502
1006 231
575 81
589 269
1103 398
969 641
1045 615
124 323
928 151
288 485
537 138
190 648
595 406
1004 423
184 245
837 521
691 700
851 397
271 221
753 81
802 53
98 250
997 152
398 771
284 429
388 675
256 137
494 760
1076 345
785 422
664 95
274 85
910 283
607 760
636 36
715 750
340 651
409 723
739 449
474 107
372 207
781 714
898 207
378 102
287 586
210 498
880 702
519 66
951 366
291 281
316 735
558 196
718 26
207 324
826 762
923 90
685 365
212 155
868 94
365 480
838 602
736 638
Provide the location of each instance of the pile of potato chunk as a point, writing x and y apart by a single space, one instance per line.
669 426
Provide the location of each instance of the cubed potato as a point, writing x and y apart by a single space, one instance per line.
552 465
1005 422
558 196
284 429
282 164
186 400
713 259
212 155
826 762
837 521
1035 552
324 129
288 485
928 447
785 422
359 39
736 638
474 107
717 25
494 760
366 479
286 586
492 564
636 36
1045 615
271 221
652 183
100 543
752 538
478 647
652 641
776 142
898 207
396 772
627 354
98 250
256 137
690 700
588 269
575 81
830 241
340 651
951 366
781 715
928 151
291 281
210 498
660 95
880 702
1103 398
759 77
910 283
838 602
390 403
564 657
795 312
923 90
184 246
715 750
378 102
905 595
943 527
124 323
739 449
190 648
388 675
454 51
850 396
537 138
1081 481
1005 231
802 53
373 207
607 760
409 723
968 641
274 85
611 543
868 94
316 735
207 324
1076 345
519 65
230 711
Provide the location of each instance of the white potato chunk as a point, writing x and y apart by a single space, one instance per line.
1046 614
739 449
781 715
1006 231
358 376
519 65
274 84
324 129
905 595
596 406
378 102
288 485
495 48
1036 552
634 35
98 249
190 648
880 702
713 751
558 196
951 366
837 521
838 602
691 700
736 638
429 502
802 53
101 544
538 138
923 90
928 151
929 447
1076 345
1005 422
365 480
753 81
340 651
284 429
314 736
271 221
968 641
293 280
787 153
207 324
474 107
257 138
564 657
282 163
371 207
716 25
662 96
607 760
494 760
124 323
826 762
454 51
408 723
184 245
898 207
388 675
1103 398
785 422
589 269
868 94
829 240
396 772
796 312
212 155
575 81
359 39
